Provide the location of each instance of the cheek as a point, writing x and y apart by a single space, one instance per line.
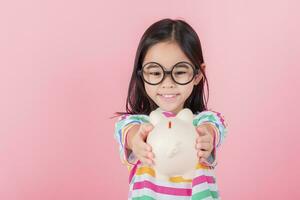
150 90
187 90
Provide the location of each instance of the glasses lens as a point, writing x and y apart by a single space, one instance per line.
183 73
153 73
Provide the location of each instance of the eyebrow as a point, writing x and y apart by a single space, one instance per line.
152 65
183 65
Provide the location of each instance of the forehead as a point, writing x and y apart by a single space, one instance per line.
166 54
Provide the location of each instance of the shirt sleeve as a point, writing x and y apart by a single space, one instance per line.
123 124
220 129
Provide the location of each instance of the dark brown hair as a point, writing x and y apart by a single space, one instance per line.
138 102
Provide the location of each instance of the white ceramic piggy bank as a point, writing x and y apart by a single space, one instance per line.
173 144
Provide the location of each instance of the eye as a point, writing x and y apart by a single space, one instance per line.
155 73
180 73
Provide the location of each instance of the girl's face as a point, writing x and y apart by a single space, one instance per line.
168 95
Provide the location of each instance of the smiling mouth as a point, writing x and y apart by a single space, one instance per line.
168 95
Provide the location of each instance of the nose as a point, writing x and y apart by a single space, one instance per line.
168 82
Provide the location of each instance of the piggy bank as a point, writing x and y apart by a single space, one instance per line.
173 144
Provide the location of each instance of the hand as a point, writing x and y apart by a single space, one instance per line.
140 148
204 141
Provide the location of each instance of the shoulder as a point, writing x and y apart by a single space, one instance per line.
207 115
133 117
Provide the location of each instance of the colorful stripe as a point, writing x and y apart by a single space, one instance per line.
205 194
162 189
144 185
147 193
143 198
203 179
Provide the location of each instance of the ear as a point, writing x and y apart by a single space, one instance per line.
155 117
199 76
185 115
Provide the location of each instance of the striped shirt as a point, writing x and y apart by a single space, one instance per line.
142 182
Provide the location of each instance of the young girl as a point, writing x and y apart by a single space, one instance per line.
168 75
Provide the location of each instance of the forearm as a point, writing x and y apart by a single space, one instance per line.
218 122
130 134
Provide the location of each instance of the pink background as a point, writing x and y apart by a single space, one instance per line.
65 67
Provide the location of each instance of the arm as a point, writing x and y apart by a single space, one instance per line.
215 122
132 131
125 128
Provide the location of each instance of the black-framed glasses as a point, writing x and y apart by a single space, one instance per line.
181 73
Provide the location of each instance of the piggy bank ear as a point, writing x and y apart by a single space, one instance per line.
185 115
155 117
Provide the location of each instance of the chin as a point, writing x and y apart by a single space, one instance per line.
169 109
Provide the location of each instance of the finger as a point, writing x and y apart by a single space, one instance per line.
146 161
206 142
202 130
144 146
204 138
208 135
205 146
202 160
203 154
145 155
145 129
150 155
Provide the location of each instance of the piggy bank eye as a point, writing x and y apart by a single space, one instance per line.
170 124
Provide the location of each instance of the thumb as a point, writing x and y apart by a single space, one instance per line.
145 130
202 130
